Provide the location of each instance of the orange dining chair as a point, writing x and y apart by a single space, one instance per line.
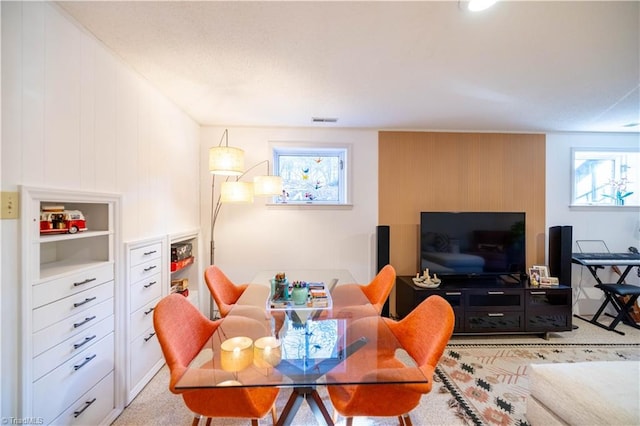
423 334
376 292
224 291
182 331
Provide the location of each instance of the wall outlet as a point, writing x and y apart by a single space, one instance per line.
10 205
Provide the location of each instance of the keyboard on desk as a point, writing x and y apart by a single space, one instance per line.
607 258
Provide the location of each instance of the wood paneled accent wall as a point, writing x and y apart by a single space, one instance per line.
433 171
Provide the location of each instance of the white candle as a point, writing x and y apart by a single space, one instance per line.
236 353
267 352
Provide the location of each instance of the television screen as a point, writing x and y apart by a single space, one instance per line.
473 243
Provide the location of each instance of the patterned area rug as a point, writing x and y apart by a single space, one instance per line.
490 384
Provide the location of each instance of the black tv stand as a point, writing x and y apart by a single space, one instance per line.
494 306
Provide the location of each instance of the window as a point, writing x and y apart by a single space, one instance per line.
312 175
606 177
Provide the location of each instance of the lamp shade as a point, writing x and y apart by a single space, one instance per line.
236 353
236 192
267 185
226 160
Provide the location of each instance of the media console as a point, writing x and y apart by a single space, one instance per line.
493 307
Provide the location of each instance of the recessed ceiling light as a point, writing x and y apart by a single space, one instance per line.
478 5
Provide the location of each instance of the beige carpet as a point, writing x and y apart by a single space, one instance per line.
155 405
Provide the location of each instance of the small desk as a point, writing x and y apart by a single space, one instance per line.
310 350
595 261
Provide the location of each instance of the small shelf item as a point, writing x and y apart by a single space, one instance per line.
181 264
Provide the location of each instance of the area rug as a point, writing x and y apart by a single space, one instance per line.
490 384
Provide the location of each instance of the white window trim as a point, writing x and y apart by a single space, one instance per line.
312 147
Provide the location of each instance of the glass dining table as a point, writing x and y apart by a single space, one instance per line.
300 347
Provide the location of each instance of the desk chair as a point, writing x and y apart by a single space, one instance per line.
423 334
182 331
224 291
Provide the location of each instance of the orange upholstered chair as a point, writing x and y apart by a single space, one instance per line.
182 331
423 334
223 290
376 291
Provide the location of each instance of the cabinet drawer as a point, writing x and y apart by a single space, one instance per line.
490 300
145 270
493 321
92 407
142 319
75 377
58 354
145 254
548 298
80 302
145 353
146 290
71 326
50 291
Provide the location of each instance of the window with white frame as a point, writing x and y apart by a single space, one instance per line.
606 177
312 174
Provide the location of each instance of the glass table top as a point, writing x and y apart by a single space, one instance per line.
255 346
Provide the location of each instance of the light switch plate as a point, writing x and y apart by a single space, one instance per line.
10 205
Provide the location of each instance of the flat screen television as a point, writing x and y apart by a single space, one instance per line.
473 244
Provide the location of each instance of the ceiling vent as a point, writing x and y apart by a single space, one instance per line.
323 120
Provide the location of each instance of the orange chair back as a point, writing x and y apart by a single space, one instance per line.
380 287
181 331
425 332
223 290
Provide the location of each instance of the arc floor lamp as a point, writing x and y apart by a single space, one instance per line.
229 161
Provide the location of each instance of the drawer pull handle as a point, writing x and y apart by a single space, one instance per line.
150 268
87 404
452 293
86 360
87 281
149 311
495 292
87 300
538 292
147 253
150 284
495 315
84 342
86 320
146 339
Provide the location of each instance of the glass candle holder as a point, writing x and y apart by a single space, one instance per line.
267 352
236 353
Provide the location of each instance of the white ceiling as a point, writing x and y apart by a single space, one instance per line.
520 66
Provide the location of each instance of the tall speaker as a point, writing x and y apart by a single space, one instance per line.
560 249
382 256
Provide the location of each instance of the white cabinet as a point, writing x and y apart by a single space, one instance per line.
72 351
147 283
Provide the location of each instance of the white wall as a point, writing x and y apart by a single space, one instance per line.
75 117
255 237
618 226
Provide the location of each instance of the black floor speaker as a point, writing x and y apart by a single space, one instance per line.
382 256
560 249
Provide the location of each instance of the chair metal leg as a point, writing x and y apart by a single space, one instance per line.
208 423
196 420
254 422
348 421
274 414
